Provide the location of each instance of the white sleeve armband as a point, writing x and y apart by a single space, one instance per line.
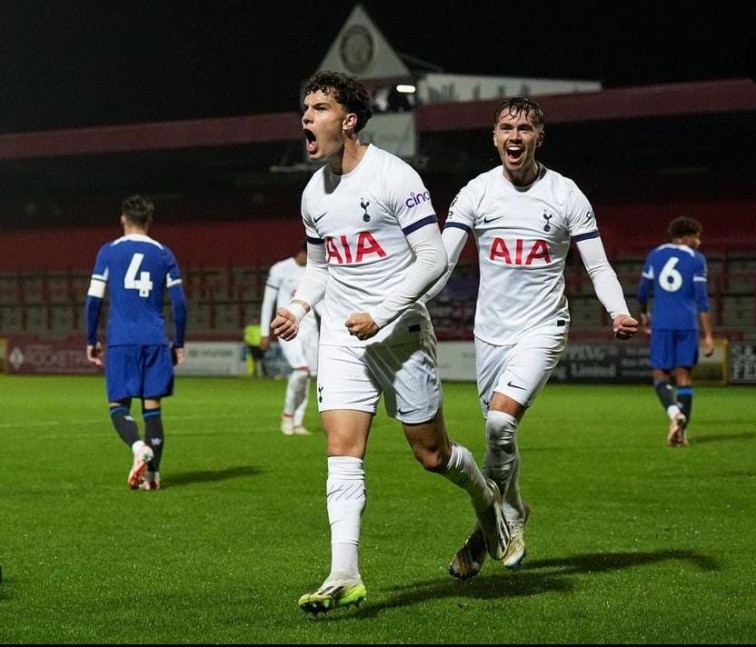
96 288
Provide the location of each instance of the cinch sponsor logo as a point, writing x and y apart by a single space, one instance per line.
416 198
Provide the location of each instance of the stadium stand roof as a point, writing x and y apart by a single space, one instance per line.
657 143
721 97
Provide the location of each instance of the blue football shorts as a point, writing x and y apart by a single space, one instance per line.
673 348
138 372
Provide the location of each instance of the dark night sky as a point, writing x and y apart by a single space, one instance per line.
78 63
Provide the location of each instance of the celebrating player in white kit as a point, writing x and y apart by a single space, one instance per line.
523 216
301 353
374 248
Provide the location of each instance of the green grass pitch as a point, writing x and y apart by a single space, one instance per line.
629 541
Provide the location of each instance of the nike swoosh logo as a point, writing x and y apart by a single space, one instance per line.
515 386
487 220
322 215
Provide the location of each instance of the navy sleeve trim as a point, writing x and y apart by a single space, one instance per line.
593 234
428 220
458 225
314 241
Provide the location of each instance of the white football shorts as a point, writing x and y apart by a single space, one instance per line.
353 377
520 370
302 351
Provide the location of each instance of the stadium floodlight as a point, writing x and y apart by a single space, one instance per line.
406 88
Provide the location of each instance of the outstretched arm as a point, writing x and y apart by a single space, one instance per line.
454 239
607 287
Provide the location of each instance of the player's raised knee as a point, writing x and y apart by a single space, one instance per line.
501 429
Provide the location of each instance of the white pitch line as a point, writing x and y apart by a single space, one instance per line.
104 421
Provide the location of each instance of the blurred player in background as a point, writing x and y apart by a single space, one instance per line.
139 361
523 216
252 336
300 353
674 274
373 248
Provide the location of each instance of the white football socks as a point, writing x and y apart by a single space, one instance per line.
296 385
502 459
513 506
301 408
345 501
463 471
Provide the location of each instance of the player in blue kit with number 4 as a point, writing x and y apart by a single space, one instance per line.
675 275
139 360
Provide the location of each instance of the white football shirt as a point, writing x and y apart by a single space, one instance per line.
363 219
283 278
523 236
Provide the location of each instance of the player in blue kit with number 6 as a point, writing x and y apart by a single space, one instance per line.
139 361
675 275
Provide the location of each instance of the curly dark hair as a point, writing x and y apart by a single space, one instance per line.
347 90
138 210
515 105
684 226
